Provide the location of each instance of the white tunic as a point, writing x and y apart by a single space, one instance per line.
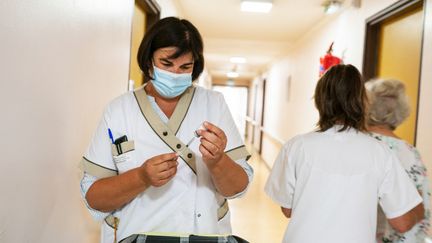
189 203
333 182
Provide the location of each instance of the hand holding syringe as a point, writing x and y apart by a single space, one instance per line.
213 143
196 135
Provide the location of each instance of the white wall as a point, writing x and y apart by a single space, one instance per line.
60 63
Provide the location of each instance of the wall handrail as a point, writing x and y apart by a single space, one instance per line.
265 131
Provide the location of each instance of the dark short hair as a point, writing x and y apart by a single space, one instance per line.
340 98
174 32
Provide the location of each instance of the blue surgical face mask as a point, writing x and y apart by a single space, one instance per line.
170 85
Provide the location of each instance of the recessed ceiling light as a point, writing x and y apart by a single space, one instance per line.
238 60
230 82
232 74
256 6
331 7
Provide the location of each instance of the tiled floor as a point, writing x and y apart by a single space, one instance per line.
255 217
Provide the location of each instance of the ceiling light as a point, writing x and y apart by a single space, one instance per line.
230 82
256 6
232 74
356 3
331 7
238 60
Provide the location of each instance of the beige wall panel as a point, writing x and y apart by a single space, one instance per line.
61 63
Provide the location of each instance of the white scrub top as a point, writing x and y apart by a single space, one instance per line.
333 182
189 203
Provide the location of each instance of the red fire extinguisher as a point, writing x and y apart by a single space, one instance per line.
328 60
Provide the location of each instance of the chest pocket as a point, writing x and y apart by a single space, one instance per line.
124 155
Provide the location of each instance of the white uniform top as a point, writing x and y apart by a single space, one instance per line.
333 182
189 203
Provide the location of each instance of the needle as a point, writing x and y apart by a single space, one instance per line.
192 139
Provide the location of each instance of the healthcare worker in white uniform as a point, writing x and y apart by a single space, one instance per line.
331 181
166 157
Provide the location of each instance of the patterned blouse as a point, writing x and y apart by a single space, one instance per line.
411 161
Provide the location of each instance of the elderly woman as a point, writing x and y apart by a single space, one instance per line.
388 109
330 181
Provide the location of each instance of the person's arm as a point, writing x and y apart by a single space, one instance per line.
405 222
286 212
111 193
86 182
280 185
228 177
399 197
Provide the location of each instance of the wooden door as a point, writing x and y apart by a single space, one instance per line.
399 56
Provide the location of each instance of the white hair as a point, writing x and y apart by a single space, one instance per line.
388 102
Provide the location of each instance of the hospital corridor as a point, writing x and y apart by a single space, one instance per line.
237 121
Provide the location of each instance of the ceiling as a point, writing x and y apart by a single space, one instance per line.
259 37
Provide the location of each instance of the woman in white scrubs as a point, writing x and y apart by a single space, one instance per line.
144 175
330 181
388 108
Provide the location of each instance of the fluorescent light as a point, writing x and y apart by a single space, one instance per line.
332 7
238 60
230 82
232 74
256 6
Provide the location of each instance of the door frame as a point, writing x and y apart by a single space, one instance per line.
264 84
152 10
371 48
373 27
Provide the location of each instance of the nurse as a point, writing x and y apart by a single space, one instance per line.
139 175
330 181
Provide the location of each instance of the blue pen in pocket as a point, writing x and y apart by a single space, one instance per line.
110 135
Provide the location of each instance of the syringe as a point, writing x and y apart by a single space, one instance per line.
196 135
